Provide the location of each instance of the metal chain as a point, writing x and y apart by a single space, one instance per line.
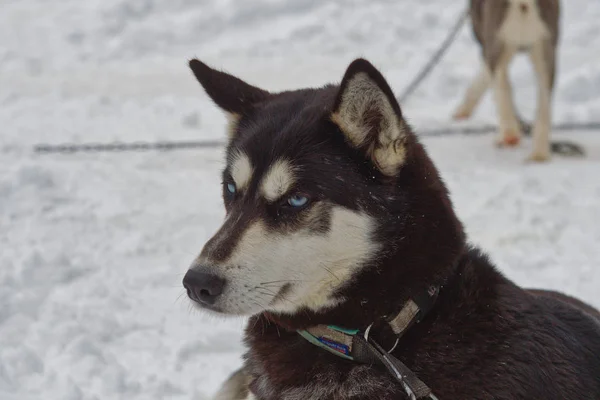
123 147
168 146
435 59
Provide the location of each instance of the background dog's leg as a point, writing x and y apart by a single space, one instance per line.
510 128
543 58
478 87
235 388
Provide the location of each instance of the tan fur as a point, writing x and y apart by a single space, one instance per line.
315 265
278 180
360 100
241 170
504 28
233 120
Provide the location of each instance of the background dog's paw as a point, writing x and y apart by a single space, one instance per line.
509 138
539 157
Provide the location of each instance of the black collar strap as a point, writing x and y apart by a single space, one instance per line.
414 310
352 344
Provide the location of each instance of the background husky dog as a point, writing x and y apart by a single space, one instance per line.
336 215
503 28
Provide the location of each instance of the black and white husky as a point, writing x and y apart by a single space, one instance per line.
339 233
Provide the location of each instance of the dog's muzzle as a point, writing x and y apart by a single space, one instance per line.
203 288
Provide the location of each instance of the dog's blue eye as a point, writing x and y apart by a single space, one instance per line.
298 201
231 188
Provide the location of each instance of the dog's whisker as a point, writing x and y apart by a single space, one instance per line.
271 295
286 281
283 296
266 291
331 273
259 305
179 297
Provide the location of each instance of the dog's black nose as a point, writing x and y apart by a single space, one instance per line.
203 288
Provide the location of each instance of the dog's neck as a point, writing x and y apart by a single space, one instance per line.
375 297
470 282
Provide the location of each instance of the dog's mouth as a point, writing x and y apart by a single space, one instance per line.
208 308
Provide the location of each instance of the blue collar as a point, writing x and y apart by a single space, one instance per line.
334 339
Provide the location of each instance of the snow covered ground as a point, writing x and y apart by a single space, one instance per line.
94 246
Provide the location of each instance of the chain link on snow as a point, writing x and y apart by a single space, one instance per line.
435 59
168 146
123 147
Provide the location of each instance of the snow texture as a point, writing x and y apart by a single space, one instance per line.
94 246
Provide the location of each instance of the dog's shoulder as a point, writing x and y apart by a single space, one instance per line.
535 344
574 324
557 300
554 345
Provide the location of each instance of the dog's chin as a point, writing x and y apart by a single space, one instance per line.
224 312
208 309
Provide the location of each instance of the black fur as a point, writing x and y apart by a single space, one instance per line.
228 92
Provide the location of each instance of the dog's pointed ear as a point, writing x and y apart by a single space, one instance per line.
368 114
231 94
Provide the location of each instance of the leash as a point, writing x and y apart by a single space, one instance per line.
69 148
357 346
566 148
435 59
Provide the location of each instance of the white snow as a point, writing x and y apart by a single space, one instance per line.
94 246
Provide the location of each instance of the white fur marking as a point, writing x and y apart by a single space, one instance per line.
316 265
278 180
523 29
241 170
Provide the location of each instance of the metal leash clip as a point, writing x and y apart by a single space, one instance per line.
414 388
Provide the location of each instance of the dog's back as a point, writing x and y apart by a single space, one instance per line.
537 344
550 297
571 330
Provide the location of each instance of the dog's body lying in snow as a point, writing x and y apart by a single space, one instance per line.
337 216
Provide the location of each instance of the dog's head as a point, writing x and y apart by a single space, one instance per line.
313 189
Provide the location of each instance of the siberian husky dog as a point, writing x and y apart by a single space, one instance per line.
341 244
503 28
